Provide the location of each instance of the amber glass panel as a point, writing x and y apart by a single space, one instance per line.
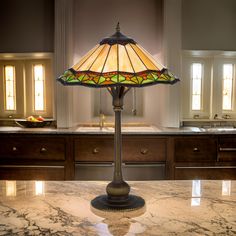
124 62
90 60
84 58
135 60
145 59
98 64
158 65
112 60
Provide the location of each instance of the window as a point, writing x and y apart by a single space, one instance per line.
10 94
27 87
196 86
39 98
208 85
227 86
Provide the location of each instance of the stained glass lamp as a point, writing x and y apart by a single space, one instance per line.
119 64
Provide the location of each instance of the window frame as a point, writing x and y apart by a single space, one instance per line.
24 84
212 82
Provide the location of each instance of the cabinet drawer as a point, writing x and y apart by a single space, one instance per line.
32 172
94 149
144 149
195 149
223 173
130 172
227 149
43 148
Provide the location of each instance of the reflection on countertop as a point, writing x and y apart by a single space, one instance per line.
172 208
146 129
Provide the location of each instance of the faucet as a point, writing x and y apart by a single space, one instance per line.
226 116
101 120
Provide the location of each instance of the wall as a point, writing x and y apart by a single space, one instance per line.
209 24
27 26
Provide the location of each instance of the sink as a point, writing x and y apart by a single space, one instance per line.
112 129
94 129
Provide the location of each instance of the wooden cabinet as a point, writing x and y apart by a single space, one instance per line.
204 157
144 157
195 149
29 157
30 147
29 172
207 172
227 149
144 149
69 156
134 149
94 148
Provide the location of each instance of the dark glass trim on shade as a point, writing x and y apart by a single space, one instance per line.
117 84
117 38
81 83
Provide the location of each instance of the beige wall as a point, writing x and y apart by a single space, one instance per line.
26 26
209 24
139 19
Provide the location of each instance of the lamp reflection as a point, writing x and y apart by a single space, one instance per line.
196 193
11 188
226 187
39 188
118 223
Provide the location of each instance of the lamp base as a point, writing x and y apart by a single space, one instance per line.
131 203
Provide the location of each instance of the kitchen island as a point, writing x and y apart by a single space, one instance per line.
87 153
172 208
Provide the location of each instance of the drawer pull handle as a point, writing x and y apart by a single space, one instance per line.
227 149
196 149
144 151
95 150
14 149
43 150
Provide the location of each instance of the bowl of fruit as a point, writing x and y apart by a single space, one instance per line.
33 122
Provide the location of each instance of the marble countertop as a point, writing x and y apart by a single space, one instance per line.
172 208
153 130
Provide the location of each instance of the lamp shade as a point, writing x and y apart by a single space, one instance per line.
117 60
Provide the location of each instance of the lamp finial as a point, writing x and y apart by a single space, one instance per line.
118 27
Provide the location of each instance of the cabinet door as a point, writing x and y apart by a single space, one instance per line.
227 149
209 172
134 149
195 149
18 172
94 149
32 147
144 149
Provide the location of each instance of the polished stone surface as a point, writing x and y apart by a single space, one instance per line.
172 208
149 130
